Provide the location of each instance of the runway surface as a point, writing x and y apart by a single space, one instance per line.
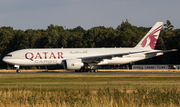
90 73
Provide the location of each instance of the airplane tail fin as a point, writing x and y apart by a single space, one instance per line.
150 39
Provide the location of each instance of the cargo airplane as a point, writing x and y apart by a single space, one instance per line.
88 59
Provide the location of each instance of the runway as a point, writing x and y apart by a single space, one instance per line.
90 73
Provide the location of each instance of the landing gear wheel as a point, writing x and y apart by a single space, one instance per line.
18 71
76 70
87 70
84 70
95 70
92 70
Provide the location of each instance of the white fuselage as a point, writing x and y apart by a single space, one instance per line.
41 57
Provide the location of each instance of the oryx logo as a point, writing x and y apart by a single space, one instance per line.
151 38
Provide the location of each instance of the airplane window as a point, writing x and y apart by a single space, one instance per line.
9 55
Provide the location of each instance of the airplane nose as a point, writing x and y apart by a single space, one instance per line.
4 59
7 58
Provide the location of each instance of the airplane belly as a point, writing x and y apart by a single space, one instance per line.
121 60
124 60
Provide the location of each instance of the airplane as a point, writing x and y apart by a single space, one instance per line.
87 59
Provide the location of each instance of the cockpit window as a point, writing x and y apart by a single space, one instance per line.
9 55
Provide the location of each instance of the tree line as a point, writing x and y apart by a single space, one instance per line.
125 35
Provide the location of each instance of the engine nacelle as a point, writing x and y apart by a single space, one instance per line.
73 64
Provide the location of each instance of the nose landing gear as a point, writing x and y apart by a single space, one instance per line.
17 68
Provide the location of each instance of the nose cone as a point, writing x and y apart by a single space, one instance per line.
5 59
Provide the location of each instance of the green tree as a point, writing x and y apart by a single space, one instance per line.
168 26
125 35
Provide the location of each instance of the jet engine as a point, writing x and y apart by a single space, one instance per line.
73 64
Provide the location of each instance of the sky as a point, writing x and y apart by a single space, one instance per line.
39 14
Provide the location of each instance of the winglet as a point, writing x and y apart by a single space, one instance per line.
149 40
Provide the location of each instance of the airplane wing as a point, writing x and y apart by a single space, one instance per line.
162 51
99 58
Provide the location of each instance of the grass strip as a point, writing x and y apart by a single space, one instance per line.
89 90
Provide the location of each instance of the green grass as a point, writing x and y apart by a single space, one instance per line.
91 81
88 78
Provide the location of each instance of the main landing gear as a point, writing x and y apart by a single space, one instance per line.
18 70
94 70
87 70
